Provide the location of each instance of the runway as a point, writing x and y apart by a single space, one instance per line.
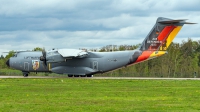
136 78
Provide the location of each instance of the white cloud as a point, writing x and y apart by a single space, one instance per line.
34 7
88 24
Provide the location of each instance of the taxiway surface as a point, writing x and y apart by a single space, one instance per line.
141 78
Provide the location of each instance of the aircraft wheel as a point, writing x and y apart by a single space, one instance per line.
25 75
70 75
89 75
83 75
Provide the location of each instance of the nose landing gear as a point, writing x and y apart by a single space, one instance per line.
25 74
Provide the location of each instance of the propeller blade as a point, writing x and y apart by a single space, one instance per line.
43 58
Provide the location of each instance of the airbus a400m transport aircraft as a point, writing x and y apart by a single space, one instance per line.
83 63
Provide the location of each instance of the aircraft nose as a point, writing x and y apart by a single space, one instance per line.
8 62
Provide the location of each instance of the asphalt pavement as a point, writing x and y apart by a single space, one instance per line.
138 78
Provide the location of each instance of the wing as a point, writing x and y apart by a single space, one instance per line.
72 53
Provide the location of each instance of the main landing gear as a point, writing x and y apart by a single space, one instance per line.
71 75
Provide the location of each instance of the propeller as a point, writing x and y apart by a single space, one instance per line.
43 57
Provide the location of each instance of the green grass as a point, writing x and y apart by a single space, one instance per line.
32 95
12 72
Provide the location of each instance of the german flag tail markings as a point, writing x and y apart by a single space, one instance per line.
159 38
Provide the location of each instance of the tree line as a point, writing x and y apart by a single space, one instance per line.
182 60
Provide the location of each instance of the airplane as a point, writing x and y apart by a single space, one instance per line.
81 63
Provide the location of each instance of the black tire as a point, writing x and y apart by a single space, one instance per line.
70 75
89 75
83 75
25 75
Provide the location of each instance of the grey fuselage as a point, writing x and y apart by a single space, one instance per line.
94 62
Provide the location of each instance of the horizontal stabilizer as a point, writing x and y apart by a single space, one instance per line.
189 23
170 21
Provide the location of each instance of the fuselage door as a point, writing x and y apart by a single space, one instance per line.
26 66
95 65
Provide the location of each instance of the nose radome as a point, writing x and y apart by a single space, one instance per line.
8 62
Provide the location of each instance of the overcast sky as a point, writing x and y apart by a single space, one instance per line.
26 24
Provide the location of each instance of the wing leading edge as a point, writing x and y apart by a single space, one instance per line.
69 53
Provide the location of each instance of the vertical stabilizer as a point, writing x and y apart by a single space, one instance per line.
159 38
162 34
